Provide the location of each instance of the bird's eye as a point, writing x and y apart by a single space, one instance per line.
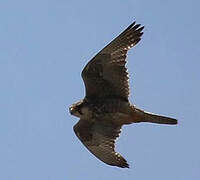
79 111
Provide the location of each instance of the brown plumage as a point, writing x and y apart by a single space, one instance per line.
106 108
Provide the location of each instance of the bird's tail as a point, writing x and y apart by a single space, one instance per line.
154 118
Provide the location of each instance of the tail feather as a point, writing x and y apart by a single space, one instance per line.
154 118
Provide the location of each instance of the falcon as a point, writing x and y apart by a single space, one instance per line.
106 107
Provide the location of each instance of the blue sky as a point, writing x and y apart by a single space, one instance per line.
44 46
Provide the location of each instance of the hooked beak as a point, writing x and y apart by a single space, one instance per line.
71 110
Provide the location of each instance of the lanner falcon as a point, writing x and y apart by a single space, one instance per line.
106 107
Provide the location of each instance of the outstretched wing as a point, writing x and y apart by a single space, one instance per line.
106 75
99 138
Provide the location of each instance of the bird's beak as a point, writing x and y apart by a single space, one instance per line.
71 110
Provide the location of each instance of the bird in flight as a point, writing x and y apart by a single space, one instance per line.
106 107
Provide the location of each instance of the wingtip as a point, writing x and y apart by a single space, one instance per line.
130 26
133 23
126 165
141 28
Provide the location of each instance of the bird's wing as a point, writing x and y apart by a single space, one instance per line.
106 75
99 138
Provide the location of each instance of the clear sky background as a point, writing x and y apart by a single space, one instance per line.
44 45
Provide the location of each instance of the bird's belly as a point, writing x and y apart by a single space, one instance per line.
117 118
115 111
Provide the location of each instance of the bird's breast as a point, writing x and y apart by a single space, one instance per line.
114 106
113 110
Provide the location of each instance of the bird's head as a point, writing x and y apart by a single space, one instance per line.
76 109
